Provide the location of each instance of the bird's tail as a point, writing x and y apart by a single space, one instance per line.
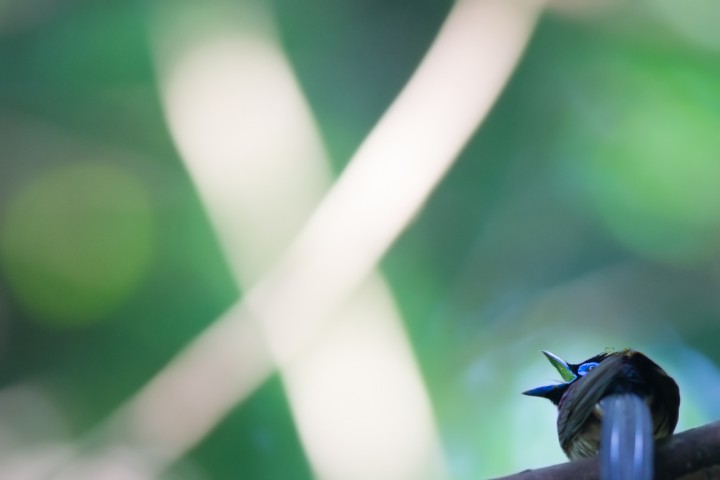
626 442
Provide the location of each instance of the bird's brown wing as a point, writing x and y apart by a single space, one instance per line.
578 404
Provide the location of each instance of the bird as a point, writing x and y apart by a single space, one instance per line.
617 404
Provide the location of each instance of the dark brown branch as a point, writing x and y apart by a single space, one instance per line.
693 454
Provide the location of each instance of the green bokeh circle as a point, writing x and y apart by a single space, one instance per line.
76 241
643 150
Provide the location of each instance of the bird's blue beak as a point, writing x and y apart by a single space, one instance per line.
563 369
544 391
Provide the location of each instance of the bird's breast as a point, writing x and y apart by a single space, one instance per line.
586 442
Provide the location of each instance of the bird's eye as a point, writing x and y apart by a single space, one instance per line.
586 367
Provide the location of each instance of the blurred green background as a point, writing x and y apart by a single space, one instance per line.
584 214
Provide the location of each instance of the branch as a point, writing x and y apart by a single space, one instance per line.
695 453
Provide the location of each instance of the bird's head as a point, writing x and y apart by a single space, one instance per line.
570 373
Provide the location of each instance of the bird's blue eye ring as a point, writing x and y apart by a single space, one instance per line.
586 367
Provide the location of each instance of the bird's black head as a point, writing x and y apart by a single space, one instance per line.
570 373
